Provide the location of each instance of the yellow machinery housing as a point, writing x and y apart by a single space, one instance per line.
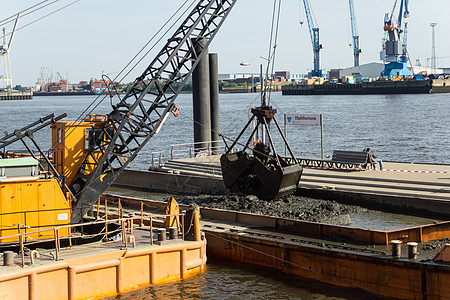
29 202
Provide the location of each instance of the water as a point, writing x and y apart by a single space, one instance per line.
237 281
408 128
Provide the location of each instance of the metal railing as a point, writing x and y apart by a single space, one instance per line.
126 226
186 150
192 149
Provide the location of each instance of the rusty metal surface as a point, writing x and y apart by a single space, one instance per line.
422 233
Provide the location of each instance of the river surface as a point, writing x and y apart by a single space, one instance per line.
407 128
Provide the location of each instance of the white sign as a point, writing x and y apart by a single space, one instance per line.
63 217
302 120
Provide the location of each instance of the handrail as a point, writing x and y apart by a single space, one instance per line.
127 222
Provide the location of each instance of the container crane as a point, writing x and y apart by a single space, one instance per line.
395 52
314 33
355 35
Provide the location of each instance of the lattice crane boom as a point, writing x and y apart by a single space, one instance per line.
314 34
142 111
355 35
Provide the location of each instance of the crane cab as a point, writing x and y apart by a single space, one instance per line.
71 142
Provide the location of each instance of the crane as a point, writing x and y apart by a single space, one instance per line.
314 33
355 35
141 113
4 53
395 52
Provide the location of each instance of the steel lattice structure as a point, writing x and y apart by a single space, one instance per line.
141 113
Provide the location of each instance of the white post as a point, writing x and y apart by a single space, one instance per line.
321 135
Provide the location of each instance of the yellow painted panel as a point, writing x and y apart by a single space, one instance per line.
137 270
98 283
14 289
193 254
6 205
168 265
52 285
33 196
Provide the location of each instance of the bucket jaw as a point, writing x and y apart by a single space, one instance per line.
260 173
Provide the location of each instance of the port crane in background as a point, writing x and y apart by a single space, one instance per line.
4 54
314 33
394 51
355 35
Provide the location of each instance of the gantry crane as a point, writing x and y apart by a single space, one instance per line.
4 53
395 52
355 35
314 33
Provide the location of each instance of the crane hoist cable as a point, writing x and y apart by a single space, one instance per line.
45 16
96 102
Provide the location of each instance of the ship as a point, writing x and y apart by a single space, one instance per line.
370 88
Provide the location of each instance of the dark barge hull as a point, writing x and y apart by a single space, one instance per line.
372 88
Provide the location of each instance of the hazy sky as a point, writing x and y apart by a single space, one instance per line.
94 36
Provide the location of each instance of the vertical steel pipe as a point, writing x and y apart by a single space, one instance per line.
200 96
214 101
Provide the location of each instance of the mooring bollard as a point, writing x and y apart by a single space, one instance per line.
173 233
396 248
161 234
8 258
412 250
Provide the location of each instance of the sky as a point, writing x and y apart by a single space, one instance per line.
91 37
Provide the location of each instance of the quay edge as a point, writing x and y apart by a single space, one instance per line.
26 95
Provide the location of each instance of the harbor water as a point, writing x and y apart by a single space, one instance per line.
407 128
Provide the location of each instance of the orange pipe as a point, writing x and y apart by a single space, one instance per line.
152 267
34 254
96 266
183 269
72 284
120 276
32 286
197 225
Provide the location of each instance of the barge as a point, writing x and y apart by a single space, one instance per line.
371 88
366 259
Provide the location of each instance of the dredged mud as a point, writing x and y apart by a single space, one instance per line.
291 207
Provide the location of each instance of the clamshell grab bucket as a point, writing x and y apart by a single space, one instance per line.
277 180
233 166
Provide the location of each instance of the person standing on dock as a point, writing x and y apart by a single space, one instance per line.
373 160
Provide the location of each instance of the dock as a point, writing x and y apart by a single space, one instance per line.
24 95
